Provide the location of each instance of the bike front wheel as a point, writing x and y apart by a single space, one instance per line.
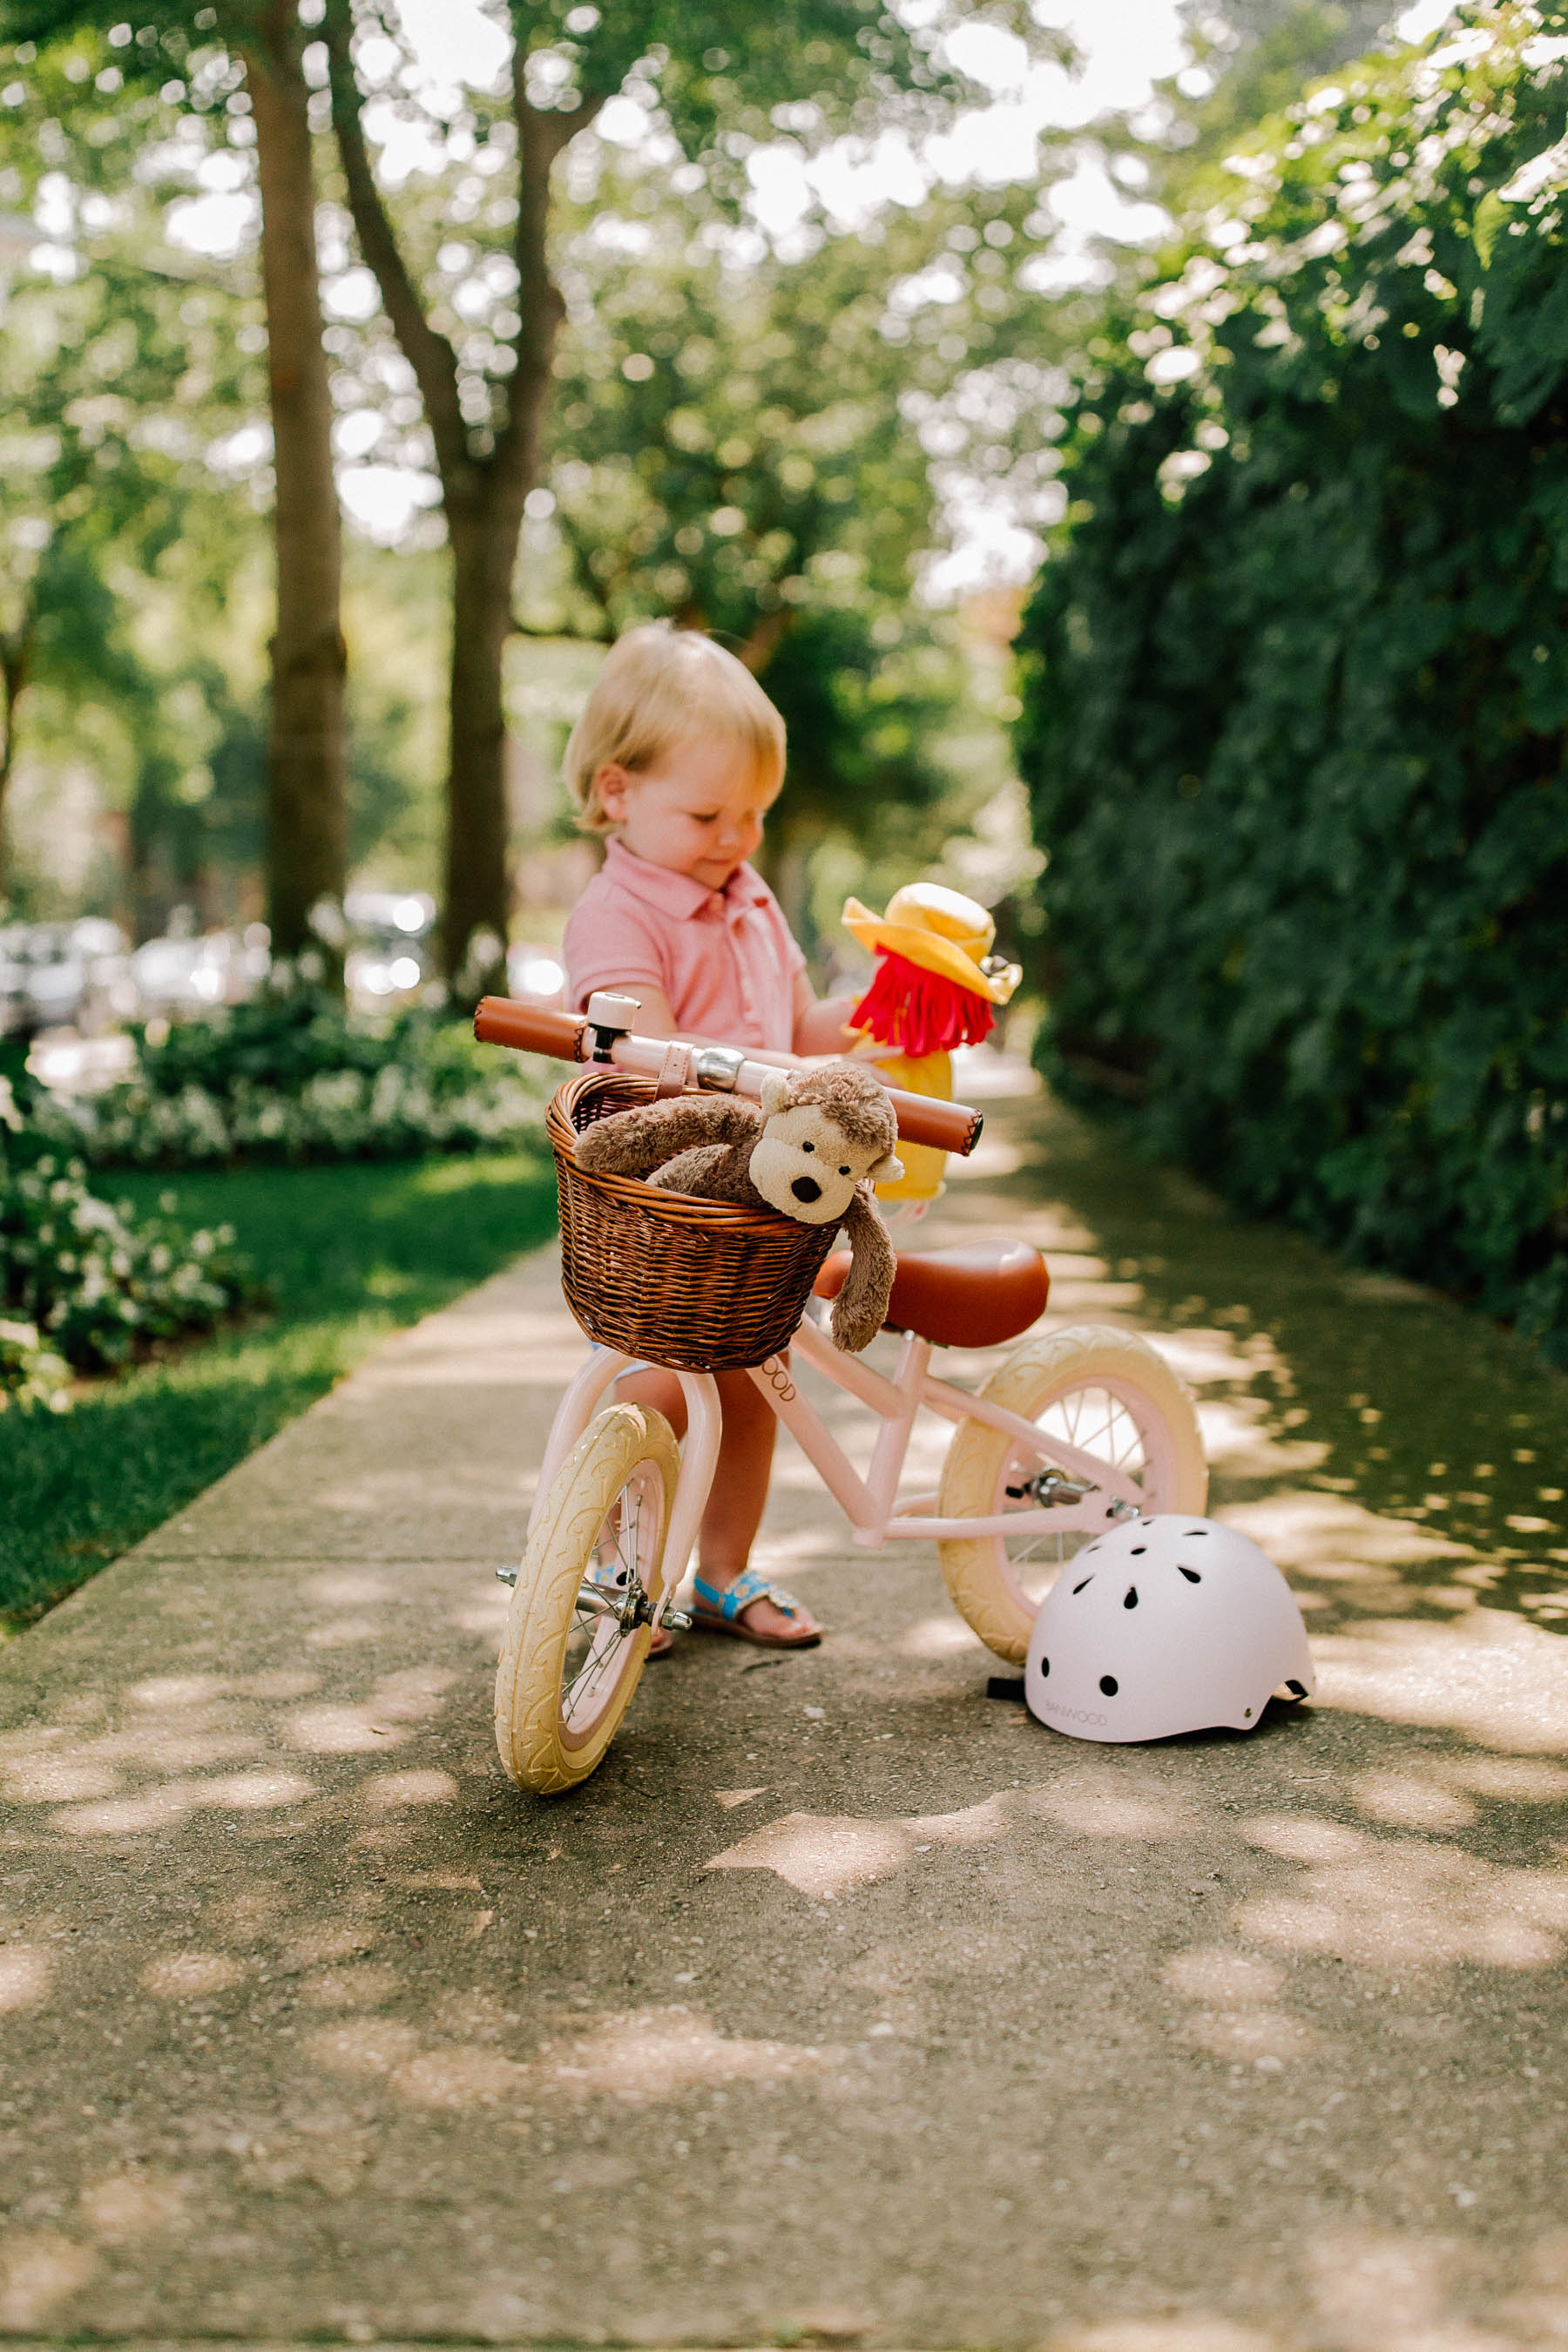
1106 1395
578 1630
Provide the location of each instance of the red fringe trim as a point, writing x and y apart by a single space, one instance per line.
918 1012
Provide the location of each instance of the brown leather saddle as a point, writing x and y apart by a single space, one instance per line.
976 1295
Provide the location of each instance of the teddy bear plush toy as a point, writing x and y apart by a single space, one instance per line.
819 1138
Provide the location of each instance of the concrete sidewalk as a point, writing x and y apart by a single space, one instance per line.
845 2004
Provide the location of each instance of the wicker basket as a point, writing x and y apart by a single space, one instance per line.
696 1285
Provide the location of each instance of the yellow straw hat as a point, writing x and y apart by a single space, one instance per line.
942 932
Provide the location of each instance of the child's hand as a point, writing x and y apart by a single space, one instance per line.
822 1028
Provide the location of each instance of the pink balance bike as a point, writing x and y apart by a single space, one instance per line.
1078 1429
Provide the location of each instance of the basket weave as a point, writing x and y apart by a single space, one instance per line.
698 1285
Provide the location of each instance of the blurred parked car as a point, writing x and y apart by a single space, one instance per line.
391 950
194 974
64 976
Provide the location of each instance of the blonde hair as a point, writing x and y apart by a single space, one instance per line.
661 686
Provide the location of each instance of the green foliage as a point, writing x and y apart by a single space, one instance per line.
345 1255
293 1077
720 81
733 442
94 1284
1250 58
866 720
125 363
277 1041
738 444
30 1373
1296 678
730 445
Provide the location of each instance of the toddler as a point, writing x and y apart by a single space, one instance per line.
678 757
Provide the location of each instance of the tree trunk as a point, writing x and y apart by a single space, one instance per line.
485 529
766 635
485 478
15 651
149 901
307 827
477 887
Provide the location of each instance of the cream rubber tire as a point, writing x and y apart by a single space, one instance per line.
1131 1402
565 1680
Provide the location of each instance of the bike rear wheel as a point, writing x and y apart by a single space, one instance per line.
1104 1393
578 1630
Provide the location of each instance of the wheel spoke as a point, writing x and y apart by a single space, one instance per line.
596 1644
1112 1433
592 1668
1091 1421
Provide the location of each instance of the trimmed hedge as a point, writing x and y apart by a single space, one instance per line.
1296 678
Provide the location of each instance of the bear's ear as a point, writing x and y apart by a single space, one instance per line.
775 1090
888 1170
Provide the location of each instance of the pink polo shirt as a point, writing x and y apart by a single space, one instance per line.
725 959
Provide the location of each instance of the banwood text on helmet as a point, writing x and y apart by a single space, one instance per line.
1164 1625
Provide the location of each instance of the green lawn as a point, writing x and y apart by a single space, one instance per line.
347 1252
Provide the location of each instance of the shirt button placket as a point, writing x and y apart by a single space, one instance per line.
743 971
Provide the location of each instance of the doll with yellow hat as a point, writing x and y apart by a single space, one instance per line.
936 983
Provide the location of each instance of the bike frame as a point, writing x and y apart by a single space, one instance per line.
868 1503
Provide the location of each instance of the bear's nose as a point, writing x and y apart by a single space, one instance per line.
806 1188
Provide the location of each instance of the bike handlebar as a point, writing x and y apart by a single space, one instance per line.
529 1027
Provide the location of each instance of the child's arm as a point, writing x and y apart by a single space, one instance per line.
819 1028
656 1018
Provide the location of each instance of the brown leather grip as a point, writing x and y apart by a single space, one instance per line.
945 1126
530 1028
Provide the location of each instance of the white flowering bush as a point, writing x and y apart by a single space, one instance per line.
84 1284
298 1079
30 1373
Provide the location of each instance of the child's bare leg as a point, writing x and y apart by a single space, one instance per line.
739 1490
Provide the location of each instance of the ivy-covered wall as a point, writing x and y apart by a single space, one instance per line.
1296 677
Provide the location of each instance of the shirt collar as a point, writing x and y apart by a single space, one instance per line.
679 894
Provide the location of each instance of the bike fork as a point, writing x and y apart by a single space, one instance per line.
698 1456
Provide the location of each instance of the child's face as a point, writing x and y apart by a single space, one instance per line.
699 811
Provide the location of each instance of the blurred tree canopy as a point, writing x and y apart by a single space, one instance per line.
469 281
122 365
769 436
1298 674
249 80
735 443
1248 59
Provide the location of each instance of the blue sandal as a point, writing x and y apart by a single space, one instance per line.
720 1612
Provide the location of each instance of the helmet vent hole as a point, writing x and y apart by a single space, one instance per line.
1190 1573
1078 1587
1129 1597
1045 1668
1109 1686
1137 1549
1197 1532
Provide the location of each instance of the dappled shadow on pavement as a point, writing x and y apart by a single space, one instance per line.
844 2001
1372 1434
